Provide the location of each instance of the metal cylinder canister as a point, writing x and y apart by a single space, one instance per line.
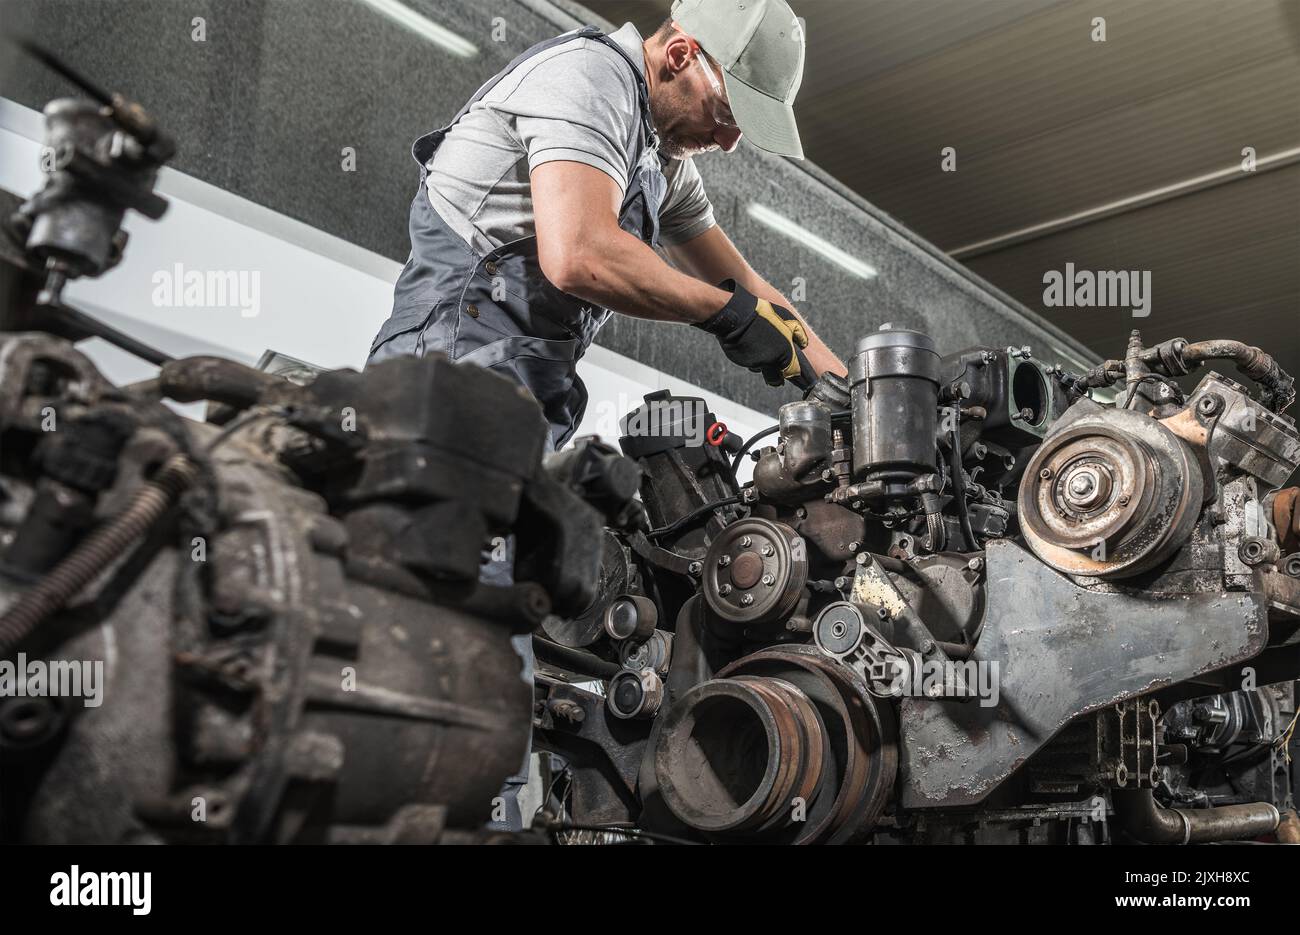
895 396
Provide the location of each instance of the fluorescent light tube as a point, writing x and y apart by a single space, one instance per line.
788 228
440 36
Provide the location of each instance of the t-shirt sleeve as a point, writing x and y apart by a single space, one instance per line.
579 105
686 212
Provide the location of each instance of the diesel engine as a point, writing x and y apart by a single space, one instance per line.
964 598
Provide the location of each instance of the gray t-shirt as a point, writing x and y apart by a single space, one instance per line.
575 102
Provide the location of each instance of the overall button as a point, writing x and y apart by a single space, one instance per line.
471 311
490 268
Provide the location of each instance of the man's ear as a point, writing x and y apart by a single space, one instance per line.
678 52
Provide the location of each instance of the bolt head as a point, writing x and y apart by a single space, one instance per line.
724 561
1045 474
724 589
769 580
746 599
746 542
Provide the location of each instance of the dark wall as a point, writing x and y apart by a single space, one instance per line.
265 105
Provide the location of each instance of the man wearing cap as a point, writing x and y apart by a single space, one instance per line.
541 202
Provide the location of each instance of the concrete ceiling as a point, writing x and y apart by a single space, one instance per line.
1069 150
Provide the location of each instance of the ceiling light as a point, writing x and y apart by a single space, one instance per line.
788 228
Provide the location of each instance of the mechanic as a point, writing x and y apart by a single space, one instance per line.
541 202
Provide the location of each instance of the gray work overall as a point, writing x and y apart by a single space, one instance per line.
498 310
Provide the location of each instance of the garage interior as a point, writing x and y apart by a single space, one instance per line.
285 560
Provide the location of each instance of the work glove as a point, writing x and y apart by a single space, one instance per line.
761 337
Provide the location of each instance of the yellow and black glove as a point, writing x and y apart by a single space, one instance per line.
762 337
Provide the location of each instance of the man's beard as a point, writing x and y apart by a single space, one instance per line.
666 113
675 148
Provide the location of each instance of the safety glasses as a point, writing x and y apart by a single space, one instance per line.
721 109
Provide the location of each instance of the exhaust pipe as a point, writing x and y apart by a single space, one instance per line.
1137 813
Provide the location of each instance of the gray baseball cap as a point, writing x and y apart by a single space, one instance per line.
759 44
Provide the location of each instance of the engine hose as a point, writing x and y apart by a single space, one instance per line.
103 546
691 517
576 660
934 540
1257 364
1138 813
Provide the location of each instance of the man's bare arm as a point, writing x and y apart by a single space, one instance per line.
712 257
584 252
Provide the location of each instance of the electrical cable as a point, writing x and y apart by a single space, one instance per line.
1132 390
691 517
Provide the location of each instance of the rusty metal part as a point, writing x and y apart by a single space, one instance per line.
1288 827
832 796
1253 362
1059 651
100 549
1109 495
1286 518
1236 432
754 572
1138 813
734 754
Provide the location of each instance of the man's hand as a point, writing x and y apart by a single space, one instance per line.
762 337
712 257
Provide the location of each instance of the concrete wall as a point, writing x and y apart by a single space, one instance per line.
266 102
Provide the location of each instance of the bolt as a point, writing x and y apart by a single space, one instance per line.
746 599
694 568
1045 474
863 558
724 589
1123 499
724 561
767 551
841 583
976 564
769 580
856 504
882 613
746 542
568 710
927 647
1082 484
854 546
